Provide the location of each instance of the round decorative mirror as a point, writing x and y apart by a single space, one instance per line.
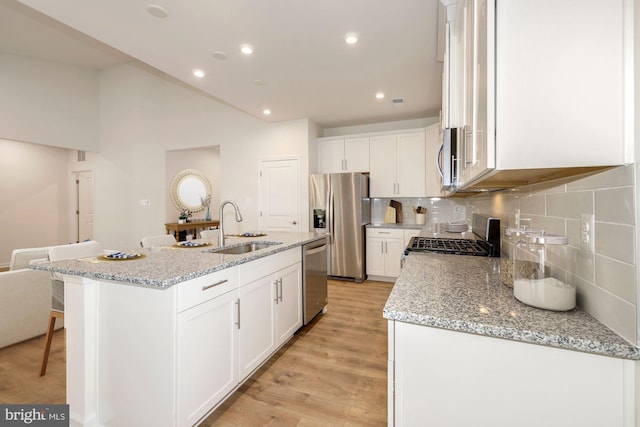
188 189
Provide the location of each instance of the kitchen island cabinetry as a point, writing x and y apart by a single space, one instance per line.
563 101
398 165
207 359
159 340
270 307
384 249
343 155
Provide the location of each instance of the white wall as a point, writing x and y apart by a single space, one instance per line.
144 114
34 202
380 127
206 160
48 103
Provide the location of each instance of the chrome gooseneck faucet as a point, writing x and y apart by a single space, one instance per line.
238 219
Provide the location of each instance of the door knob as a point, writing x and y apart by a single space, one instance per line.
294 222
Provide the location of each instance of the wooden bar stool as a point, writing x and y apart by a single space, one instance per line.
90 248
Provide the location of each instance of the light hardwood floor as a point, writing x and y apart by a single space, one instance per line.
332 373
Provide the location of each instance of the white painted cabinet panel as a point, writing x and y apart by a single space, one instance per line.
289 302
384 246
535 106
257 324
331 156
501 383
270 307
207 356
382 179
398 165
343 155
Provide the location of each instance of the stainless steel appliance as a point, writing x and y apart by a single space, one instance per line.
340 206
314 279
447 159
487 242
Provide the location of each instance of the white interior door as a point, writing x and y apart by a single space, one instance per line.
84 205
279 195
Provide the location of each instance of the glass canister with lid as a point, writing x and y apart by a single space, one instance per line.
541 270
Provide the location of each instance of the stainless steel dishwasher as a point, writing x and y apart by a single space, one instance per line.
314 279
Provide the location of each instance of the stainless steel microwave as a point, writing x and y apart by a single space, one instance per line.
447 163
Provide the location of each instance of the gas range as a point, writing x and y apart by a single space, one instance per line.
486 229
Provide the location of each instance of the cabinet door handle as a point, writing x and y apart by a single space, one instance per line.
345 164
385 247
238 303
220 282
381 247
280 280
275 283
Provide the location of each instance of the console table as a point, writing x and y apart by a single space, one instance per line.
193 225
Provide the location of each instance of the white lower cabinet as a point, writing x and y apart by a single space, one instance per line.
384 247
270 307
455 379
168 357
289 304
207 356
257 335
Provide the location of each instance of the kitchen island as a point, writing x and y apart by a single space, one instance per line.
463 351
163 339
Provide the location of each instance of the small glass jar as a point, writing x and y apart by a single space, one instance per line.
541 267
512 236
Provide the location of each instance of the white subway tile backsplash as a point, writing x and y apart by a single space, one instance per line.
615 241
618 314
615 177
573 232
616 277
570 204
606 279
533 204
615 205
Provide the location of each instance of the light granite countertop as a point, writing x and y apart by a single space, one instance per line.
167 266
465 294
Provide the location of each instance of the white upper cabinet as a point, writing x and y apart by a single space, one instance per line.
398 165
343 155
544 88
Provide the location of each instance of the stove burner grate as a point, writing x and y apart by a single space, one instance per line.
449 246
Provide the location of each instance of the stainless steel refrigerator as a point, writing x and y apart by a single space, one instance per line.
340 206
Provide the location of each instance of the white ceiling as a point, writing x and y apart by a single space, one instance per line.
301 66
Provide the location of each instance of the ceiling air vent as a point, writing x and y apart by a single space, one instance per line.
398 102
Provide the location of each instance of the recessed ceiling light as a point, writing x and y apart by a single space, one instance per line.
219 55
157 11
351 39
198 73
380 95
259 82
266 112
246 49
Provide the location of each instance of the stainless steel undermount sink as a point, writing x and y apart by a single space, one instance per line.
243 248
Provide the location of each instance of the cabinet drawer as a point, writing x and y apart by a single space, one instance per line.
202 289
388 233
268 265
